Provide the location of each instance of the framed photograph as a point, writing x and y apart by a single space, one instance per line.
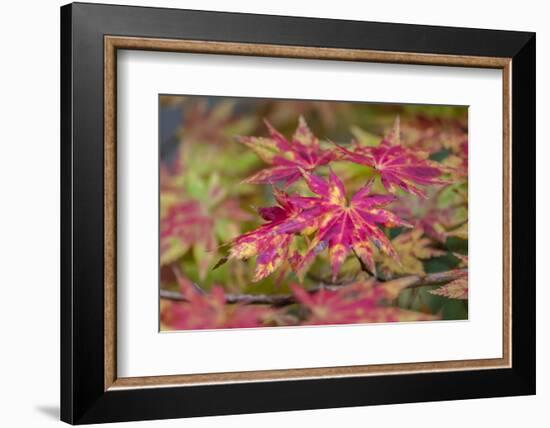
265 213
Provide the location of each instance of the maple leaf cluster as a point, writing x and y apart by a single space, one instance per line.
330 218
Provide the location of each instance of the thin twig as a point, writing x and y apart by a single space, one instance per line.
363 265
285 299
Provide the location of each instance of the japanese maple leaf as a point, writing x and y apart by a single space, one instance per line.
398 166
412 247
354 303
185 225
457 289
342 225
189 224
272 249
287 156
435 220
331 307
434 134
458 161
209 311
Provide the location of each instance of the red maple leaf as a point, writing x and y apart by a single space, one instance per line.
187 224
361 302
272 249
342 225
287 156
332 307
210 311
398 166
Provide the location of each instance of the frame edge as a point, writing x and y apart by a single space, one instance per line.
66 318
523 220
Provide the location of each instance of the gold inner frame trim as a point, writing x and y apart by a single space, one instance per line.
113 43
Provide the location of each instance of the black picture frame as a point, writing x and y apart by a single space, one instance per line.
83 398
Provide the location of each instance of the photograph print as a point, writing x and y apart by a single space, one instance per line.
285 213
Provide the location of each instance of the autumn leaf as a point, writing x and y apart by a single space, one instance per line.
457 289
341 225
458 162
210 311
411 247
355 303
434 134
272 249
398 166
441 212
460 232
287 156
331 307
185 225
191 221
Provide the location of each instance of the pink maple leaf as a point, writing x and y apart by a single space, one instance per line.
187 223
398 166
332 307
287 156
342 225
272 249
210 311
355 303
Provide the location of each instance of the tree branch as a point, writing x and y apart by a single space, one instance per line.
415 281
259 299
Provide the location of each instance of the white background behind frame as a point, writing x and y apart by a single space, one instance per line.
143 351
